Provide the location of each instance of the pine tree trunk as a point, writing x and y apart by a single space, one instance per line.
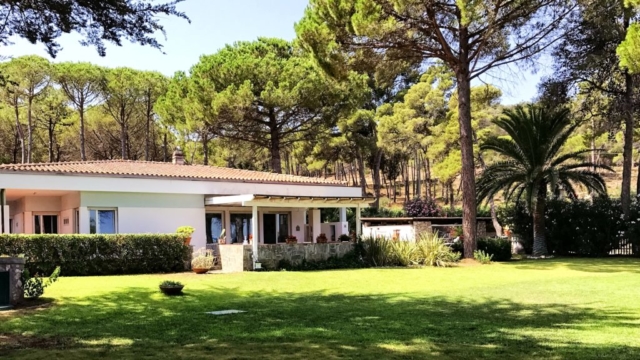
20 132
50 132
427 175
466 147
376 178
29 129
165 150
205 148
363 179
147 130
627 152
83 153
539 241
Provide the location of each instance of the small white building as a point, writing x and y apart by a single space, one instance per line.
119 196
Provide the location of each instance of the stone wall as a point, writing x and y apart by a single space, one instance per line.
481 229
421 227
232 258
236 258
15 267
270 255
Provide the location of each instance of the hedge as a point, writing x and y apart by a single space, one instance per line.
583 228
82 254
500 249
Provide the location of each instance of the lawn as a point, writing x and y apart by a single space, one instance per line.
552 309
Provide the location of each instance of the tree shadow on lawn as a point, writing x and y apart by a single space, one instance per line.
142 323
596 265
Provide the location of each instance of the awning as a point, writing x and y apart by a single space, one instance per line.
289 201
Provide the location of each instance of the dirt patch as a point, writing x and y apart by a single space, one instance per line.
469 262
28 305
9 341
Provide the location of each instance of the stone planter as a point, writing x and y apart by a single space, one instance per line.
11 287
171 290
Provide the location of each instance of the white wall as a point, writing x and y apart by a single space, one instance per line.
149 213
341 228
406 231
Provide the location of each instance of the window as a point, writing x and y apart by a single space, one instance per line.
240 228
45 224
214 227
102 221
76 221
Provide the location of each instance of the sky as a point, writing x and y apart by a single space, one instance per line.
215 23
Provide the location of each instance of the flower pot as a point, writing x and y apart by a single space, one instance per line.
187 240
171 290
200 270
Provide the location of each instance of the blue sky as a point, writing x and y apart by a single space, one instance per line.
215 23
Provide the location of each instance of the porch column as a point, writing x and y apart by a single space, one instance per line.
315 224
358 222
254 231
343 214
344 225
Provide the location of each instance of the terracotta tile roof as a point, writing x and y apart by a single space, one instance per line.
117 168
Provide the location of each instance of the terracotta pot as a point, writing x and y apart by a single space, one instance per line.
200 271
187 240
171 290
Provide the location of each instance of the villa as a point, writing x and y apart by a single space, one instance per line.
119 196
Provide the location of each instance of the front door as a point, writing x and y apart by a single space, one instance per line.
269 225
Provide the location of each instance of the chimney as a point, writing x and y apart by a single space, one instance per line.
178 158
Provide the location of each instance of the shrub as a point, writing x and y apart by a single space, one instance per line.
498 248
377 251
482 257
344 237
203 259
185 231
97 254
34 286
171 283
422 208
434 252
404 253
585 228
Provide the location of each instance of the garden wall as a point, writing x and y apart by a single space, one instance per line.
235 258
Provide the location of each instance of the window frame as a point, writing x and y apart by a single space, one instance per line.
208 225
40 215
97 209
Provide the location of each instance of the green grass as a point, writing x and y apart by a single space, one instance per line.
551 309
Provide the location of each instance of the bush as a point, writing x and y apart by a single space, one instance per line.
499 249
34 286
427 250
203 259
434 252
482 257
83 254
584 228
422 208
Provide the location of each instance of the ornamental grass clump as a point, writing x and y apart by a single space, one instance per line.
434 252
203 259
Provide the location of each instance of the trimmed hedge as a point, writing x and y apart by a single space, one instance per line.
499 248
583 228
82 254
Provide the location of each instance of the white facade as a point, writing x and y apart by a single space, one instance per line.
157 205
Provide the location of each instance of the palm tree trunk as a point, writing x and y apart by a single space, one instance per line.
539 241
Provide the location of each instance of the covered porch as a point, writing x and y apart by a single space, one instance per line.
269 220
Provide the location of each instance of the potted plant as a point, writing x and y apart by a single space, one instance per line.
456 232
186 231
344 238
291 240
322 239
203 261
169 287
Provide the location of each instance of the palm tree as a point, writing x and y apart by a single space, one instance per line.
535 164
